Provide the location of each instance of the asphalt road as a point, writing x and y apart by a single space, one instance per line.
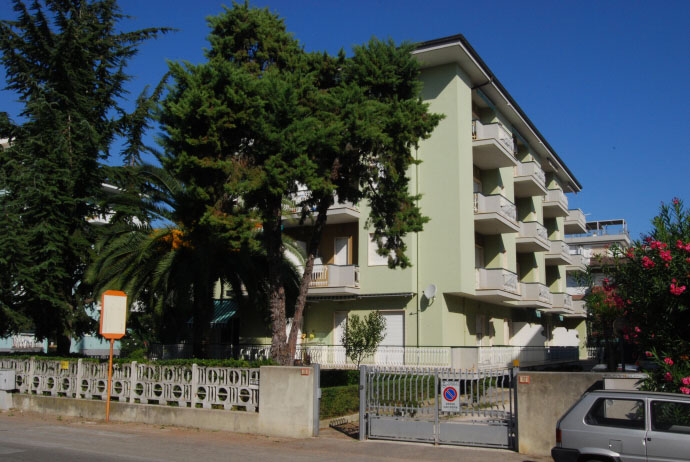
34 437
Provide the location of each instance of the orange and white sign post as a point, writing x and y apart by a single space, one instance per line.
113 322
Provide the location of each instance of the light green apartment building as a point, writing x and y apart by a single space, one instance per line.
493 250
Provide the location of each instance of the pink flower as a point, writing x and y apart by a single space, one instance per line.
685 380
668 361
675 201
677 290
648 354
637 329
685 390
647 262
665 255
668 377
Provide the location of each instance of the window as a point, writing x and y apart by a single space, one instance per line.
374 258
614 412
671 417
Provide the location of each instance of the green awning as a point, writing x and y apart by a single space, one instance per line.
223 311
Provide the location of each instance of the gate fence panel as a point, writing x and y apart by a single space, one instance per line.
408 404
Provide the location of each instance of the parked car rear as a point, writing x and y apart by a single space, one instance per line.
609 425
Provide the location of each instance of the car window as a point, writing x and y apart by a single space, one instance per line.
670 416
615 412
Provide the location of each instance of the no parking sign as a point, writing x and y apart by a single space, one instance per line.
450 396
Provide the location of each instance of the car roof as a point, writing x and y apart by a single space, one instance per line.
652 394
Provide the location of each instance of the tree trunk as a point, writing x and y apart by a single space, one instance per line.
276 289
314 242
64 342
203 310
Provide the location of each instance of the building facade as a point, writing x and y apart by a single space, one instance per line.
492 260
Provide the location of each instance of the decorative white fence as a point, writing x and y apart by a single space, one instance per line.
504 356
184 386
333 356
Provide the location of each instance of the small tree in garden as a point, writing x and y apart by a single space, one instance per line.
363 336
649 283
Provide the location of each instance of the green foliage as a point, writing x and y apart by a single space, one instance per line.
362 337
262 117
648 289
339 401
65 62
338 377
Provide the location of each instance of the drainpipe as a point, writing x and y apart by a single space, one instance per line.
416 156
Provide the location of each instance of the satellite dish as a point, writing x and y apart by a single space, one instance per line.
430 291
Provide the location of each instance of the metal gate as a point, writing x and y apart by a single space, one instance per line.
443 406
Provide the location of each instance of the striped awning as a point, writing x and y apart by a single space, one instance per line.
223 311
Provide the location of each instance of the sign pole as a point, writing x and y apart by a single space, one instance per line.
110 381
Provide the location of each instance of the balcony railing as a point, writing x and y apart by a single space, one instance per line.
497 279
535 292
555 203
575 222
530 179
531 231
303 195
494 131
334 276
495 204
562 302
559 254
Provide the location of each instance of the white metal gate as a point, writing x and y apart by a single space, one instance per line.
441 406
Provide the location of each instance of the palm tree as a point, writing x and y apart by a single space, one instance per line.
164 259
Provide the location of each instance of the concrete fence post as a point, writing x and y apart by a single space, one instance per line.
194 385
317 397
77 382
133 381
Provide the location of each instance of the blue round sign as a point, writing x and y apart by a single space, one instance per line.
450 393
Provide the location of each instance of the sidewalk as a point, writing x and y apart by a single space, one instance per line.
34 437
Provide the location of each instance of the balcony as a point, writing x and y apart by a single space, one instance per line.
492 146
555 204
579 309
575 222
334 280
497 285
562 303
494 215
559 254
579 261
529 180
534 294
532 237
339 212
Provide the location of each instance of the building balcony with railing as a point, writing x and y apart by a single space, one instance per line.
579 259
494 214
579 309
532 237
555 204
334 280
575 222
529 180
339 212
496 285
534 294
558 254
492 146
562 303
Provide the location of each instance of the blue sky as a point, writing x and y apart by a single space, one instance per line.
606 82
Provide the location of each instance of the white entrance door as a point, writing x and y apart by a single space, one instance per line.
339 322
341 250
392 349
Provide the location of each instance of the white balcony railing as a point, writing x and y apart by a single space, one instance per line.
497 279
530 169
495 204
559 248
334 276
302 195
494 131
562 301
533 229
556 197
575 222
535 291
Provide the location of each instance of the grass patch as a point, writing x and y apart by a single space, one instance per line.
339 401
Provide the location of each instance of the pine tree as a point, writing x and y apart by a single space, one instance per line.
262 116
65 61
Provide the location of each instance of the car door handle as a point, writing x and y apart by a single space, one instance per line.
649 439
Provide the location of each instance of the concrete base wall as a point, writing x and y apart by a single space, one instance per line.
548 396
286 408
